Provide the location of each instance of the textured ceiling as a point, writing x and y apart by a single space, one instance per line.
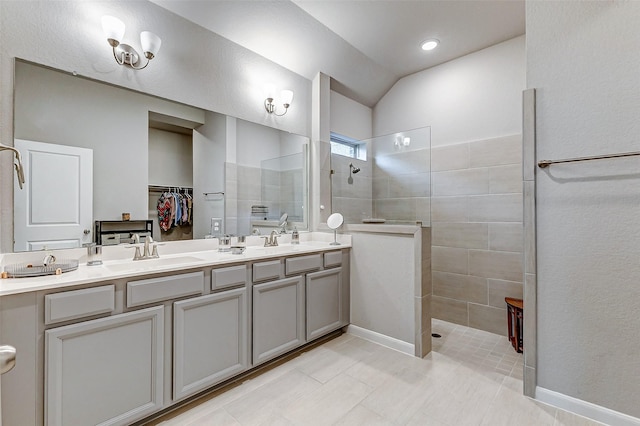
365 46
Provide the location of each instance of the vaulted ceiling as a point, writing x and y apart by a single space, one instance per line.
365 46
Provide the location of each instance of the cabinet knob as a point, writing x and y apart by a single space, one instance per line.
87 231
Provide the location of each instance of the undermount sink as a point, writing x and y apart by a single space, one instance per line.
149 264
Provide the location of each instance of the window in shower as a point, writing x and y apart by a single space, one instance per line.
348 147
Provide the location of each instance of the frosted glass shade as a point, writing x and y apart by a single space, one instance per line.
150 43
286 97
269 91
113 28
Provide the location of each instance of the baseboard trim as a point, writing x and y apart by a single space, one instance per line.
584 408
381 339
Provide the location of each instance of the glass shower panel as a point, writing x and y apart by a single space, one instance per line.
393 185
284 187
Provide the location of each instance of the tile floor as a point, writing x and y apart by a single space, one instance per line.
470 378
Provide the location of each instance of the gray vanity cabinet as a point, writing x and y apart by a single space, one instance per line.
210 340
278 317
107 371
324 302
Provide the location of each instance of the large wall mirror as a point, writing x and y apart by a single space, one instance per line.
98 152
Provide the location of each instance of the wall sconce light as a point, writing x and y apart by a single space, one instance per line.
402 141
286 97
123 53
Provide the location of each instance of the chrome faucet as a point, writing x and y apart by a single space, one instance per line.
272 240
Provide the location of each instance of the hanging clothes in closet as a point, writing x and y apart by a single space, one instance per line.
175 209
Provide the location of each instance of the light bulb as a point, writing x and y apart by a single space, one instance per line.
113 29
430 44
150 44
269 91
286 97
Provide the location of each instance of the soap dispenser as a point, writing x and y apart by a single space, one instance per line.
295 236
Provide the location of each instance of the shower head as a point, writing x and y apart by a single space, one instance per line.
353 169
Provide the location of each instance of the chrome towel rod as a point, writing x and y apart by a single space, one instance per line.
546 163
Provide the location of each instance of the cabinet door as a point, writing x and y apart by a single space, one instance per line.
278 318
210 340
324 302
106 371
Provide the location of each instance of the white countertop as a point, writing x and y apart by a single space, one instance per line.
174 257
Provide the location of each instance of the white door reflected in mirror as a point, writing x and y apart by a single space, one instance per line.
56 206
334 222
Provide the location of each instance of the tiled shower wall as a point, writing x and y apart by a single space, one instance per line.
247 186
282 192
394 187
351 197
243 187
401 186
477 242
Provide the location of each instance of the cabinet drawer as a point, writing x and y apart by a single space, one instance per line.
332 259
266 270
228 277
75 304
296 265
164 288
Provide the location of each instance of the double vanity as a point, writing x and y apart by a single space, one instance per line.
115 343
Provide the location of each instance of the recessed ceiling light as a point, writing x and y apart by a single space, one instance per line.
430 44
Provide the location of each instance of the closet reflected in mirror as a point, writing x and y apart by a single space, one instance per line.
145 147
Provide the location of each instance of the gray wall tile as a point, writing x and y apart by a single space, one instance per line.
460 287
496 152
460 182
529 134
463 235
380 187
454 157
495 264
450 310
499 289
505 179
353 209
449 209
488 318
505 237
529 227
530 318
448 259
423 210
395 208
495 208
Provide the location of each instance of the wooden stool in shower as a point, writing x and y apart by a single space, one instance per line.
514 322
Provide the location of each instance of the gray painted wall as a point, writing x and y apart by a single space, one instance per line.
582 60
